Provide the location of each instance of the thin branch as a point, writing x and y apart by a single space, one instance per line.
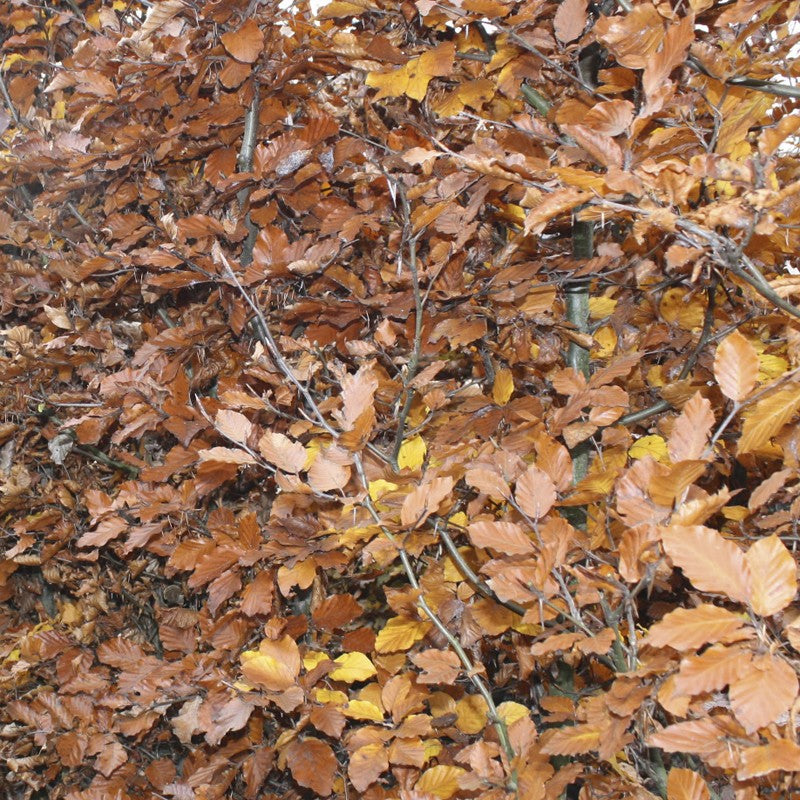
526 45
245 164
414 358
481 587
265 336
422 604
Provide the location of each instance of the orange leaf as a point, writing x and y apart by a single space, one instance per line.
245 44
711 563
312 764
711 671
440 781
366 765
690 628
767 690
736 367
425 500
281 451
572 740
505 537
774 576
440 666
767 418
689 435
685 784
275 665
782 754
570 20
535 492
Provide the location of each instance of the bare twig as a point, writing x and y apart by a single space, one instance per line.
414 358
245 164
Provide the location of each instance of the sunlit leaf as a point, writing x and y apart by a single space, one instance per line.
352 667
400 634
736 367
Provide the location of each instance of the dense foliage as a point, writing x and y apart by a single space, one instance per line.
400 399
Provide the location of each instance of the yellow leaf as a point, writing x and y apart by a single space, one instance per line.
432 748
600 307
503 386
605 342
441 781
412 453
652 445
274 666
330 696
459 519
767 418
266 670
735 513
389 84
771 367
509 712
379 488
313 659
352 667
363 709
680 306
400 634
472 714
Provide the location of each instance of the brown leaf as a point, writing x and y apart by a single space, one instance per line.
535 492
367 764
570 20
312 764
424 500
710 562
691 430
281 451
245 44
765 691
736 367
505 537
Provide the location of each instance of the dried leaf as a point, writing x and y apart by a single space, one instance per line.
736 367
312 764
711 563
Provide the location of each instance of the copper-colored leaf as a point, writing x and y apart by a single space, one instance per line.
505 537
780 754
424 500
774 576
690 628
439 666
570 20
766 419
710 562
535 492
712 670
246 43
572 740
367 764
312 764
281 451
685 784
764 692
736 367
